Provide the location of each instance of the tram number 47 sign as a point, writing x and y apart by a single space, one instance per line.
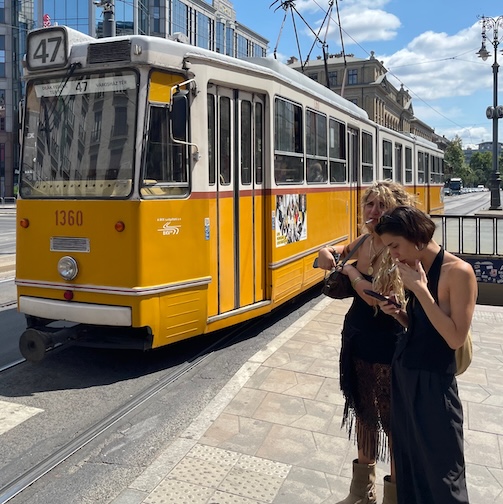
47 49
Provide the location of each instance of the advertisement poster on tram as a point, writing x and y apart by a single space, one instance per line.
290 221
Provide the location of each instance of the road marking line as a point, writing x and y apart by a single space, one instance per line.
13 414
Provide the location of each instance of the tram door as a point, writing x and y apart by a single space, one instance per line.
240 199
354 174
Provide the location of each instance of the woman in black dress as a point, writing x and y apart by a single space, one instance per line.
368 343
427 415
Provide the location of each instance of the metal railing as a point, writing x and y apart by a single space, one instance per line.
470 234
8 200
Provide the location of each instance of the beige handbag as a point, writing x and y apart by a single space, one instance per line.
464 355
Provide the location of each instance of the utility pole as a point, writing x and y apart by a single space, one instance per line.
108 17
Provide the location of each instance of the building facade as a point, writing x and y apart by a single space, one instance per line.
16 18
364 82
209 24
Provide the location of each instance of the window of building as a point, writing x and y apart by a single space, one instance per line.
313 76
352 77
220 37
2 55
332 79
203 31
229 41
242 46
180 18
387 159
337 151
367 157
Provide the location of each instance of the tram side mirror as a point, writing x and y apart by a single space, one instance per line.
179 114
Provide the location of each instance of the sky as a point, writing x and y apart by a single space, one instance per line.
429 46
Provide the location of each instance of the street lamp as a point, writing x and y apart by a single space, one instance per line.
493 112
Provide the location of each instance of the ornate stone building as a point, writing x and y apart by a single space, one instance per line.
365 83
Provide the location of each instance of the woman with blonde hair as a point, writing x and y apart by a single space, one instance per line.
368 342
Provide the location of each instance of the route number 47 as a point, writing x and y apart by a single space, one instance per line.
47 50
42 51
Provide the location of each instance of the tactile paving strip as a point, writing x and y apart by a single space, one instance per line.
209 475
179 492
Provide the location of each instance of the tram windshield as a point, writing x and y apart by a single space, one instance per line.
79 137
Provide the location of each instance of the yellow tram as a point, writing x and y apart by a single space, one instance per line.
168 191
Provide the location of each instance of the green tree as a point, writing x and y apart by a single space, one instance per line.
481 165
456 165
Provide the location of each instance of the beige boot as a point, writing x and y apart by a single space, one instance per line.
389 491
362 489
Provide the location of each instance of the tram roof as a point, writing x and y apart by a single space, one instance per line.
157 50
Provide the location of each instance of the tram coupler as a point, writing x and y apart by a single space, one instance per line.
33 343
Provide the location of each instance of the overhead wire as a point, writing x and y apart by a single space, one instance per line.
416 95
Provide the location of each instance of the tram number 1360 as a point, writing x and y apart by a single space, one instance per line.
69 217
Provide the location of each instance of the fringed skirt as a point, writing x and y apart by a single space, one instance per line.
367 412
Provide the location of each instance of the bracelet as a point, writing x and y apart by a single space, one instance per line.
356 280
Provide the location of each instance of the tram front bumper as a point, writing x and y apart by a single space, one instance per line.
83 313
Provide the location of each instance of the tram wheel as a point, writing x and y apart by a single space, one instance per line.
33 345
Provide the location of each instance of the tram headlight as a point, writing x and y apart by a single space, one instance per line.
67 267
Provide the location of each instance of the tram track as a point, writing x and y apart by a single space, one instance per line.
42 468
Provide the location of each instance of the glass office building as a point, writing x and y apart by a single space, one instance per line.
210 24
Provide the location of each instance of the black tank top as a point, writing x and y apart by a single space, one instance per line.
422 347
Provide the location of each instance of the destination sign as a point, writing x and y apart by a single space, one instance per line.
86 86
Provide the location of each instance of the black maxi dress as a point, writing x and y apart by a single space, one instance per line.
427 415
368 344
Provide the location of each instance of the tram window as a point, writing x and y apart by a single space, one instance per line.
337 151
288 169
387 159
288 127
166 169
338 172
398 162
436 170
408 165
316 134
259 133
225 140
420 167
316 171
211 139
246 139
367 157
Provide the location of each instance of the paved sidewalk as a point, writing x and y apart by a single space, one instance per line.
272 435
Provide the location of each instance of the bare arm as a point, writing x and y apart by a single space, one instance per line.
457 298
326 259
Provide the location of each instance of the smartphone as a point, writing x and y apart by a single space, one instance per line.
381 297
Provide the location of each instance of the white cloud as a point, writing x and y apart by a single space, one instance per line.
364 25
437 65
